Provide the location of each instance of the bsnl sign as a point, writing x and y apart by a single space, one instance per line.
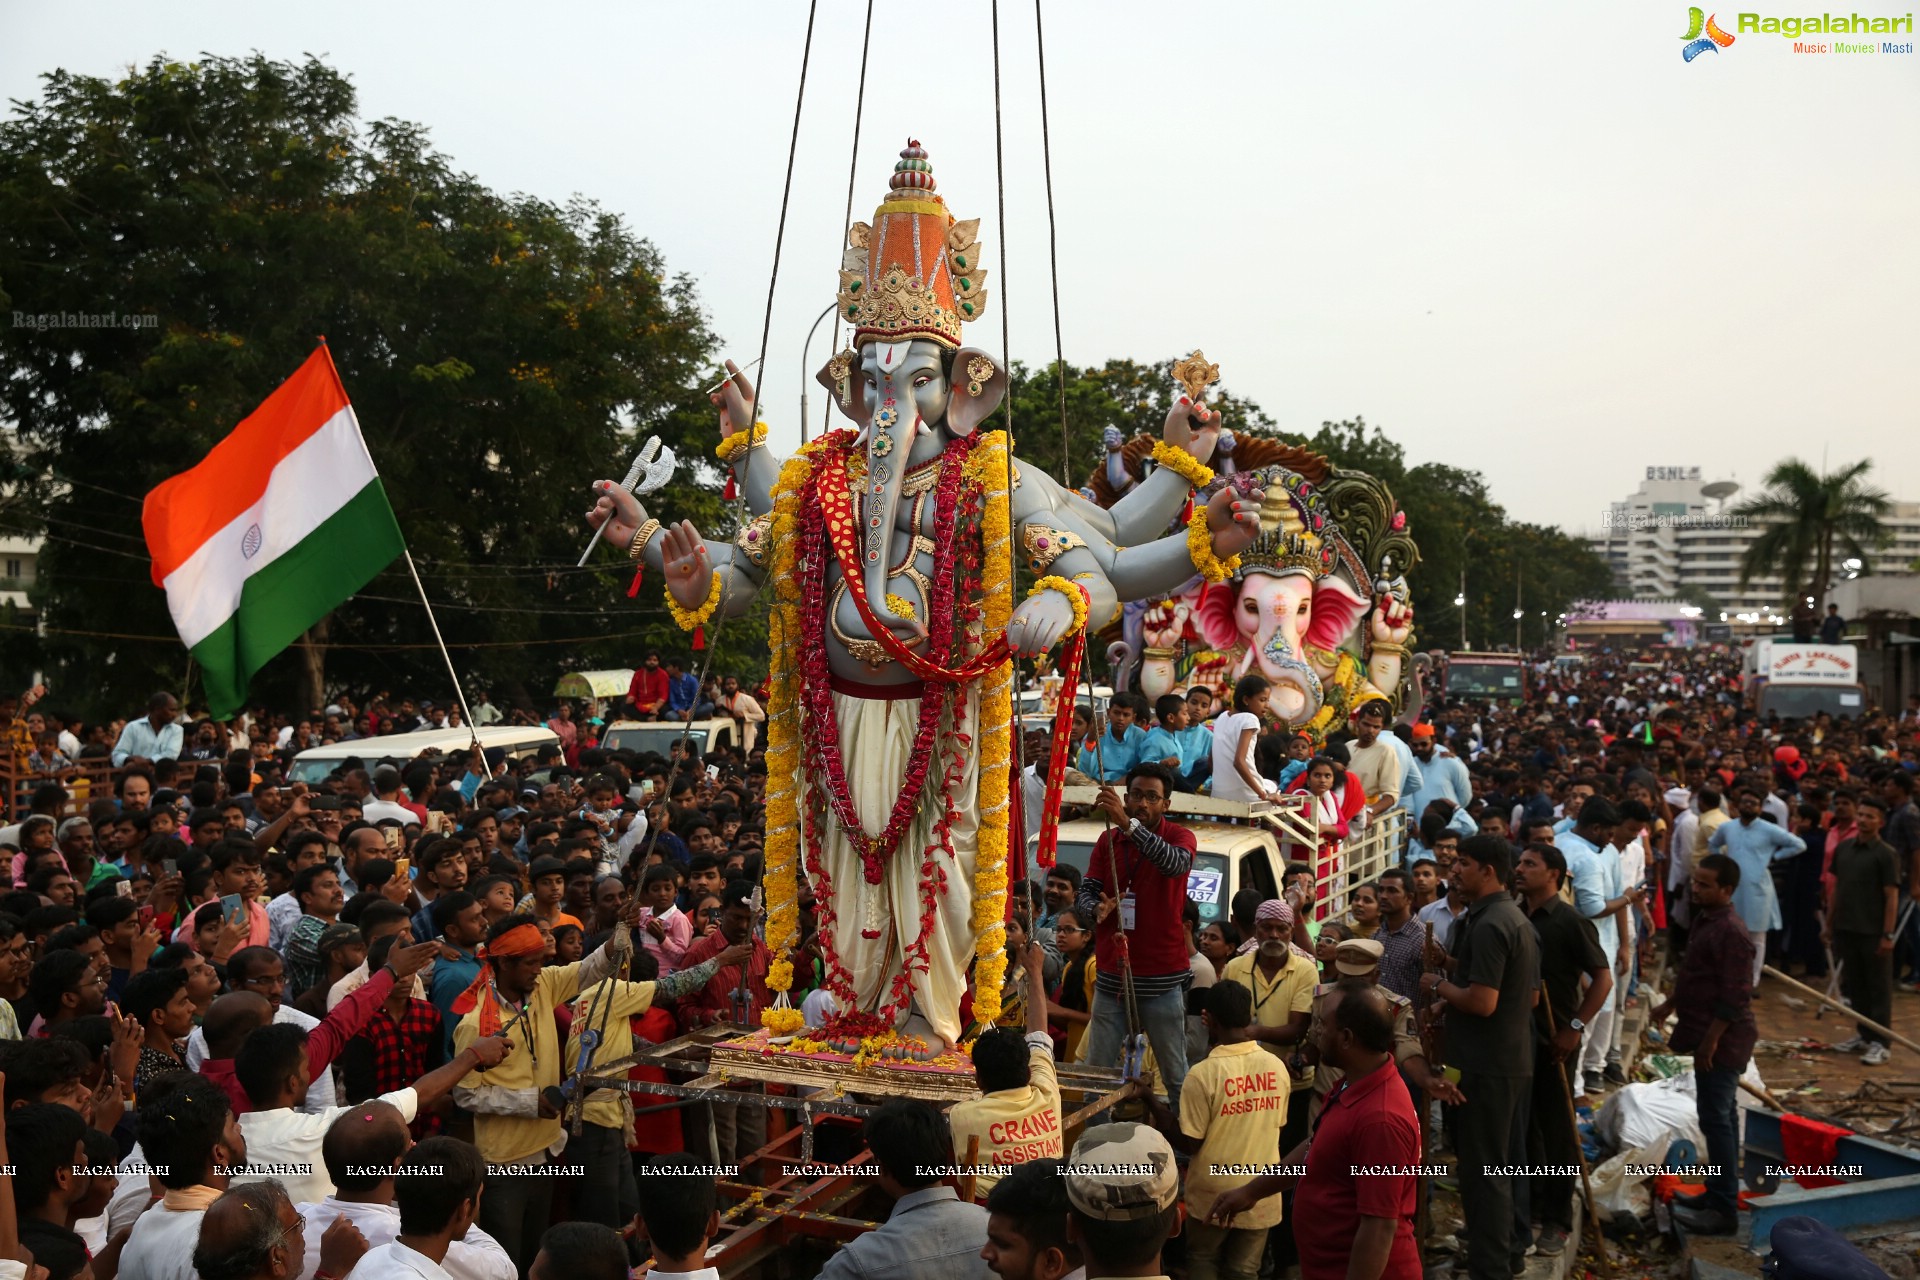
1673 473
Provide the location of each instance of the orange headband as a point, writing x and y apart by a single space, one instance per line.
521 940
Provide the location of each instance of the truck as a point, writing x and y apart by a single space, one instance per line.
1239 847
1490 676
315 764
661 736
1797 680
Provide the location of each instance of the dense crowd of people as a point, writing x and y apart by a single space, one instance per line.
262 1027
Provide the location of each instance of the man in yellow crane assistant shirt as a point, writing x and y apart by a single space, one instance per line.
1017 1117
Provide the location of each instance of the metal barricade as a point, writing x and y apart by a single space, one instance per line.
1288 816
1362 858
85 782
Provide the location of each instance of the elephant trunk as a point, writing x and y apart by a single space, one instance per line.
1297 695
1297 692
1120 659
888 444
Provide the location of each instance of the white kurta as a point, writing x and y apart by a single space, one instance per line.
285 1144
876 744
162 1244
394 1261
477 1257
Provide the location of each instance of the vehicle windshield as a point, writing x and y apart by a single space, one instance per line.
1483 679
1805 701
658 738
311 771
1207 883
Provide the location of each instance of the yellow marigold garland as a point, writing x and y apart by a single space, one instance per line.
691 618
780 880
1322 721
899 606
738 441
1075 594
1200 548
1181 463
987 469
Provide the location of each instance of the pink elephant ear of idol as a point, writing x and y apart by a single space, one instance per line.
966 410
1213 615
856 406
1336 611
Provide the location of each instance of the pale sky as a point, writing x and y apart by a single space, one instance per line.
1526 239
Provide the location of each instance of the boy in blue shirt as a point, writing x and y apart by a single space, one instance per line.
1120 745
1188 751
1299 754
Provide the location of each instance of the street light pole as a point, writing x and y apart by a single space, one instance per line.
1460 603
1518 612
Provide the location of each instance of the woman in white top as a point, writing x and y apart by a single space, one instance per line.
1234 777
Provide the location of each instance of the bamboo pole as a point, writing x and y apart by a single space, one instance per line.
1423 1209
968 1179
1831 1003
1586 1180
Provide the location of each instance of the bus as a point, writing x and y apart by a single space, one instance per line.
1496 676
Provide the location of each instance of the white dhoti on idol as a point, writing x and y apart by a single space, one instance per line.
876 927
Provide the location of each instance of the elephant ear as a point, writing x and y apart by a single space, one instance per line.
841 377
1213 615
1337 610
979 384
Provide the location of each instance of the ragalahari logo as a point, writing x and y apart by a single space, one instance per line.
1714 39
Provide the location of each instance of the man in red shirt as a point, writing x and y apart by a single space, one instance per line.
1135 889
1353 1206
720 1000
647 694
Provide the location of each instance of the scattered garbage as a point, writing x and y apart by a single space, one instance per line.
1651 1115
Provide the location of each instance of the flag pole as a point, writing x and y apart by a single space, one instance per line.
458 692
406 553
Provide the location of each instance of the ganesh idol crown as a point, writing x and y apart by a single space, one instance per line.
887 551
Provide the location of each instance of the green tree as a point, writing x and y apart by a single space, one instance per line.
1459 528
502 352
1126 394
1450 510
1809 522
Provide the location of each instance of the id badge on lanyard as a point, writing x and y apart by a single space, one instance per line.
1127 911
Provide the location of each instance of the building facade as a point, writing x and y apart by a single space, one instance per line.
19 566
1676 536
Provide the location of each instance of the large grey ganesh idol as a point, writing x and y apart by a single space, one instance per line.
889 548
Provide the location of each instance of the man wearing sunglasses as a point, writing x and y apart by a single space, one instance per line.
1136 885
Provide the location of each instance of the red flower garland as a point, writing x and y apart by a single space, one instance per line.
933 871
816 674
838 981
956 585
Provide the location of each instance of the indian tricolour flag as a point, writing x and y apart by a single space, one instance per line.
285 519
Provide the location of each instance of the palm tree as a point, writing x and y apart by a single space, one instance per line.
1806 518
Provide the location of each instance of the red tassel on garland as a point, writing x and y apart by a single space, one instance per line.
633 588
1186 512
700 637
730 492
1048 819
